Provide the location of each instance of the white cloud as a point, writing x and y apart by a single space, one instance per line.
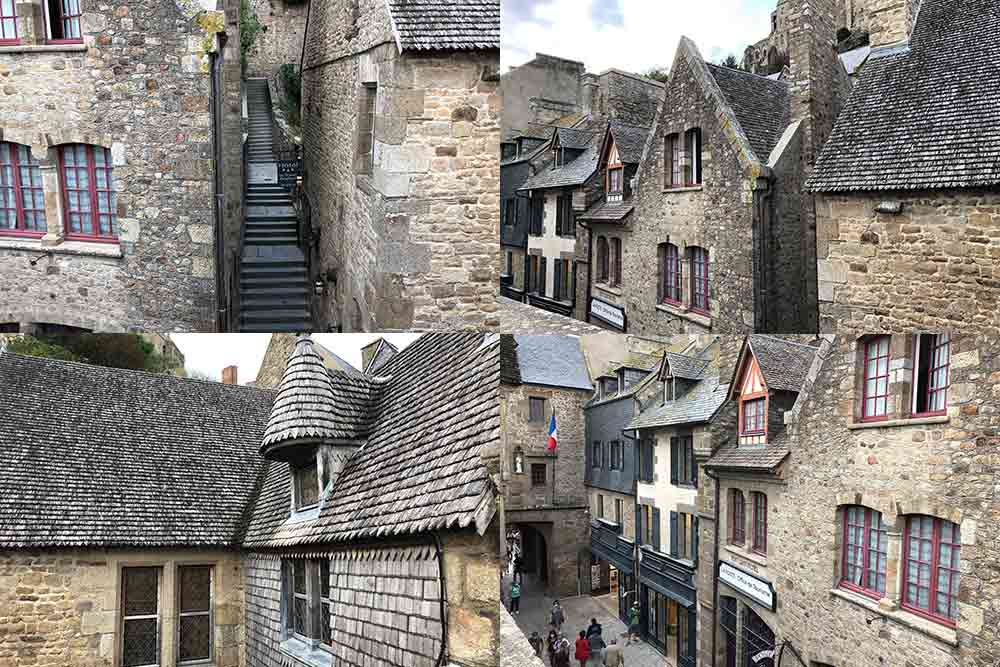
648 38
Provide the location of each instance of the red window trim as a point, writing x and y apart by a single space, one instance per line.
864 381
603 263
698 250
16 39
940 340
607 184
672 162
866 548
61 18
935 565
92 190
694 134
755 546
749 398
737 528
19 209
615 279
676 274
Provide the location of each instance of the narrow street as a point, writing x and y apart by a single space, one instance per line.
274 277
534 617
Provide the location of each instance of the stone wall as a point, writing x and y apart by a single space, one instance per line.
139 86
625 97
61 607
284 24
413 243
932 266
540 91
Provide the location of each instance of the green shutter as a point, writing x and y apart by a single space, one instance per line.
673 460
656 529
673 534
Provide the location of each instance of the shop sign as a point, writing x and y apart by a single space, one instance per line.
608 313
753 587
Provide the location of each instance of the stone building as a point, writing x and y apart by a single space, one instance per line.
280 41
545 378
160 520
117 189
854 524
537 93
401 133
719 208
909 190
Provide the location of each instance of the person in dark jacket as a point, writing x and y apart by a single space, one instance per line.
597 647
561 653
594 628
582 649
550 644
557 617
536 643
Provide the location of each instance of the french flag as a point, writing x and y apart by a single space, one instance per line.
553 434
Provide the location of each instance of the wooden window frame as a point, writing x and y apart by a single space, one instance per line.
6 40
758 541
125 618
298 489
935 568
18 187
760 398
93 193
565 222
672 161
684 470
672 273
875 341
865 549
700 284
937 343
325 642
692 145
603 263
613 169
210 613
536 400
63 18
737 518
616 455
535 468
615 251
536 213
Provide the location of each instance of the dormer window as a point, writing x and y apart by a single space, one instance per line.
753 400
305 480
754 420
668 390
609 386
615 178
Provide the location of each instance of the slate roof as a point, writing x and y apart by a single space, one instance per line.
698 405
767 457
855 58
630 140
687 366
927 117
607 211
510 373
783 363
575 173
421 467
761 105
102 457
555 361
433 25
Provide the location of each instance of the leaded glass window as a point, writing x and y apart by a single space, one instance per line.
140 616
195 613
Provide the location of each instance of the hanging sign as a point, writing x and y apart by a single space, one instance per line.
752 586
763 655
289 172
608 313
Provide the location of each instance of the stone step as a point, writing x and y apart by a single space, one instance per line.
274 328
251 240
266 292
286 316
298 282
273 303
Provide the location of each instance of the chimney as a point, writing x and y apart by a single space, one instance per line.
588 93
229 375
891 21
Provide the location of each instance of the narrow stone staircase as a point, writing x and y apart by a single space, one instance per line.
274 278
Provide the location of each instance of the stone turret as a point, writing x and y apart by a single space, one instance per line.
316 412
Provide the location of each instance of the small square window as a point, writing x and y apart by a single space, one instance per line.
536 409
538 474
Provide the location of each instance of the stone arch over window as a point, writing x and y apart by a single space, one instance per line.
70 135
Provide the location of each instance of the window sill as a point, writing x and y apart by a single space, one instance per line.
77 248
605 287
888 423
746 554
684 314
43 48
301 652
933 630
686 188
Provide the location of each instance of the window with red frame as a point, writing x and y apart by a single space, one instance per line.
672 161
616 262
754 416
22 198
930 568
759 523
876 385
692 146
64 21
615 175
931 374
866 545
8 22
737 510
699 279
670 269
88 192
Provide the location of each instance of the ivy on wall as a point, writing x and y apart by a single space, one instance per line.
250 28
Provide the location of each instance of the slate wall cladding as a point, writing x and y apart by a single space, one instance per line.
939 469
60 607
932 266
717 216
414 242
138 88
281 42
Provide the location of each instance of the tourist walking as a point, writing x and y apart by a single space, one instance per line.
550 644
582 649
561 652
597 647
614 655
557 615
594 628
515 598
633 624
536 643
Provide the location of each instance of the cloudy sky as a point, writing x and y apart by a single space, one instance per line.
210 353
633 35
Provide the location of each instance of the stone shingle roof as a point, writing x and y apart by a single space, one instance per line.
608 211
783 363
698 405
111 458
630 140
432 25
927 117
761 106
421 467
767 457
573 138
686 366
575 173
555 361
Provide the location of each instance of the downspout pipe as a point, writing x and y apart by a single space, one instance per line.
715 572
443 655
221 297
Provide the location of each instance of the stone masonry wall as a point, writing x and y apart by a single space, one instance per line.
540 91
138 86
933 266
281 41
716 216
413 243
61 607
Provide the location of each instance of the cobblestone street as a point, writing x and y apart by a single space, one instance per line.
516 317
534 616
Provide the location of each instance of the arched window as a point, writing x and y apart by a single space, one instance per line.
616 262
670 274
930 568
88 191
699 279
518 461
602 260
22 199
866 548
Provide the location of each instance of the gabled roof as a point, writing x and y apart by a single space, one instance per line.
753 458
924 117
553 361
421 467
434 25
576 172
761 105
629 139
103 457
608 211
631 391
696 406
683 366
783 363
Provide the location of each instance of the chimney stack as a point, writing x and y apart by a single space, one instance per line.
891 21
229 375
